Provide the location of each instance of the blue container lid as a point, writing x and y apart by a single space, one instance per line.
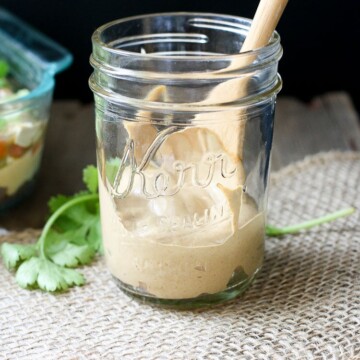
32 53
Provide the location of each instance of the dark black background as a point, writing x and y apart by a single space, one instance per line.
321 38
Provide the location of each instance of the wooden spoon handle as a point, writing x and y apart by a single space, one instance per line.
264 23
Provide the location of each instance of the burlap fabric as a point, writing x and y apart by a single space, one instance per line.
305 304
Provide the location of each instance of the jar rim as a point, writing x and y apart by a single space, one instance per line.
271 47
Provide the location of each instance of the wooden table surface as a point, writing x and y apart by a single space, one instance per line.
329 122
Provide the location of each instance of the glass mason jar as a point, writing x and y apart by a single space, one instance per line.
184 129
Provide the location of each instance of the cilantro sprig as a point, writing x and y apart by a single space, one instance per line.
295 229
71 237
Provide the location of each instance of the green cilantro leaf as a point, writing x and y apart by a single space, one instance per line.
63 223
81 224
81 214
13 254
41 273
62 250
94 237
73 255
90 178
57 202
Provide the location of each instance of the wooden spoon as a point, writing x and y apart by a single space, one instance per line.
265 21
266 18
262 28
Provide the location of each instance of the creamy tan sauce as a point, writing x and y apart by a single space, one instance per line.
18 171
179 261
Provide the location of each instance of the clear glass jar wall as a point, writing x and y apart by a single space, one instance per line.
184 129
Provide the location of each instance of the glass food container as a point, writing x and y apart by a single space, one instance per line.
31 61
184 130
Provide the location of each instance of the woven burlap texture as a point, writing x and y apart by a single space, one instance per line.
305 304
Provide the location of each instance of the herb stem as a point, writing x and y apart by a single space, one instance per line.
293 229
58 213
